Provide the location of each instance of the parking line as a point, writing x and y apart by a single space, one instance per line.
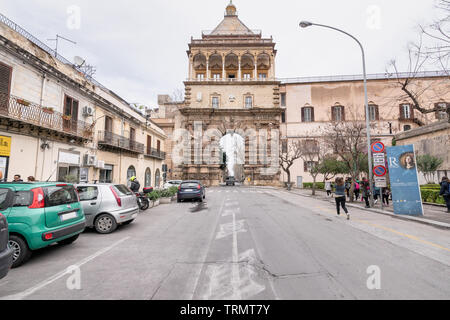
30 291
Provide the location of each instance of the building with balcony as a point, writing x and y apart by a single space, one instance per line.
58 124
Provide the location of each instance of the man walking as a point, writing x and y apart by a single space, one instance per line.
385 195
340 197
445 192
365 191
328 188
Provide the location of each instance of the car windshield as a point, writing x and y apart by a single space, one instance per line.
123 190
58 195
188 185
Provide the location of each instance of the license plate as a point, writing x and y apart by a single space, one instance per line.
188 190
68 216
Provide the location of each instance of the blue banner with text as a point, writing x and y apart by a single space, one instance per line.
404 180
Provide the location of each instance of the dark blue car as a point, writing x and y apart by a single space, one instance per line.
191 190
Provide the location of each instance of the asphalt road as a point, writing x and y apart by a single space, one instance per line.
244 243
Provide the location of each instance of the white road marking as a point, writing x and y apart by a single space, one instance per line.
231 228
30 291
236 279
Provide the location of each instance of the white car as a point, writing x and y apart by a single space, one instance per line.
172 183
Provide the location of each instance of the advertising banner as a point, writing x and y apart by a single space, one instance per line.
404 180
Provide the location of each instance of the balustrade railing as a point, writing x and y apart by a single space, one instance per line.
118 141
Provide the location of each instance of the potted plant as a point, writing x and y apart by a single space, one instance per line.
154 198
23 102
166 196
48 110
67 117
173 190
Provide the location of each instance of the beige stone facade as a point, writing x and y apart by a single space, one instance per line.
60 125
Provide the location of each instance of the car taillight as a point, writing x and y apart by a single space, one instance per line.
38 199
119 201
48 236
179 187
199 187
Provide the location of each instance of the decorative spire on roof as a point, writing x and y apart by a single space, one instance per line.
231 10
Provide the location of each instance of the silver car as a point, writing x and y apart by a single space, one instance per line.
107 205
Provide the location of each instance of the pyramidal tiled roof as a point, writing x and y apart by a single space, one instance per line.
231 25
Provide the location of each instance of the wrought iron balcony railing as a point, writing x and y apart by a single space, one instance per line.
12 107
110 139
154 153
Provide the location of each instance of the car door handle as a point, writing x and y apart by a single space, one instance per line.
93 203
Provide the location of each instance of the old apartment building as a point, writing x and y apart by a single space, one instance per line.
232 84
57 124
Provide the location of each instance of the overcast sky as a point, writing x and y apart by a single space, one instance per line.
139 49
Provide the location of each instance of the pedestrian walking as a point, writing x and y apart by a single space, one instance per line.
357 188
376 193
348 185
328 188
340 197
17 178
445 192
365 186
385 195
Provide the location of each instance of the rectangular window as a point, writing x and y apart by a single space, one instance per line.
283 117
248 101
158 145
149 144
309 165
284 147
70 113
338 114
5 79
307 115
106 174
200 76
373 113
283 99
262 75
215 102
441 114
247 76
132 134
216 76
108 124
406 110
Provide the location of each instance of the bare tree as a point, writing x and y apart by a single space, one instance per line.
348 140
313 152
289 153
422 96
438 32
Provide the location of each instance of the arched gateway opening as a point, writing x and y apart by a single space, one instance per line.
233 147
198 155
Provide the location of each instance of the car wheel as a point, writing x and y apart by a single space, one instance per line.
21 252
69 240
178 200
200 199
128 222
105 223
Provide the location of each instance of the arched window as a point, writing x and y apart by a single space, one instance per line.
157 178
130 173
148 177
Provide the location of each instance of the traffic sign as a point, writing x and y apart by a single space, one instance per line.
380 171
379 159
378 147
380 182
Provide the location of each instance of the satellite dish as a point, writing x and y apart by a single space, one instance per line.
78 61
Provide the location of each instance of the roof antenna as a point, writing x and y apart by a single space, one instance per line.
57 39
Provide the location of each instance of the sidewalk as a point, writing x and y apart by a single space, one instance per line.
433 215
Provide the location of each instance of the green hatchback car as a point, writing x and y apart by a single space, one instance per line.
40 215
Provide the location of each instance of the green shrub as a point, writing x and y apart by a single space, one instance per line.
173 190
166 193
154 195
309 185
431 196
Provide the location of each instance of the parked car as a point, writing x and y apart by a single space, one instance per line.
172 183
41 214
191 190
230 181
107 205
6 253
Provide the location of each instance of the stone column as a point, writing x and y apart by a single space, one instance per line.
207 68
239 69
223 67
256 68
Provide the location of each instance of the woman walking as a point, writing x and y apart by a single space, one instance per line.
328 188
340 197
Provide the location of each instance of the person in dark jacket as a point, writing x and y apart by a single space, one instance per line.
445 192
135 185
365 186
340 197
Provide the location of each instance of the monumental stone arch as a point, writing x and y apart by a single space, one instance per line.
231 88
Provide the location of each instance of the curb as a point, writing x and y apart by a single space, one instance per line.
436 224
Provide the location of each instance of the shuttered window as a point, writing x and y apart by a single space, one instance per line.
374 114
338 113
5 79
406 112
307 114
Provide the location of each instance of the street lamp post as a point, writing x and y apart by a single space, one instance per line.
305 24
